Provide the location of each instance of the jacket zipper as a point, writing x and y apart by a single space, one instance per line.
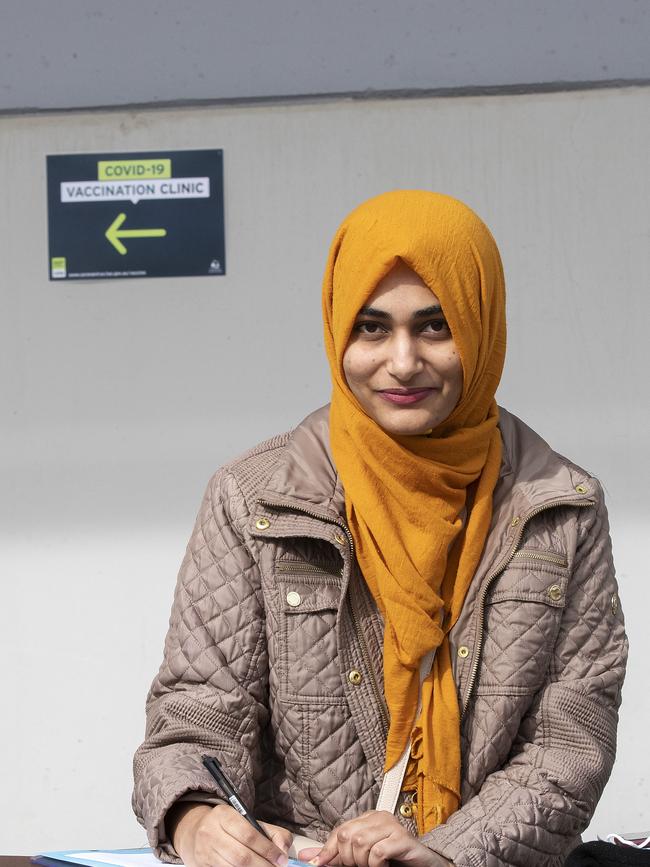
318 515
355 621
369 668
545 556
480 614
295 567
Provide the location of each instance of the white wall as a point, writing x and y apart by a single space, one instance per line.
120 398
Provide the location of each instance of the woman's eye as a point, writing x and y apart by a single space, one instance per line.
369 328
437 326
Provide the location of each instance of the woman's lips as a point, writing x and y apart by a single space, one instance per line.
405 396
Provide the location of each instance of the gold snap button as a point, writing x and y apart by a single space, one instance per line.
339 538
293 599
581 489
262 523
463 651
354 677
406 810
554 592
614 603
514 521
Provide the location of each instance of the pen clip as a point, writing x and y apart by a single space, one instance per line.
211 763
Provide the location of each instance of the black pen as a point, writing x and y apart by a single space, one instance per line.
216 771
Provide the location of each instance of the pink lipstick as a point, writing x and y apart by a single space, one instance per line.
405 396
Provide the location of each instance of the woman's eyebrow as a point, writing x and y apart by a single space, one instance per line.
434 310
373 311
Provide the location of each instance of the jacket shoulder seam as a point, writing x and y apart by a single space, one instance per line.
577 469
250 470
274 443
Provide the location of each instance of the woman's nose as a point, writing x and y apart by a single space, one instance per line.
404 359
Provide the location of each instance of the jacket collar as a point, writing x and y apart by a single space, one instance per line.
532 475
305 477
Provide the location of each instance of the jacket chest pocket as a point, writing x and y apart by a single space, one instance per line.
522 617
308 656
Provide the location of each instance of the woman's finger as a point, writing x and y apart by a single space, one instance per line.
351 842
344 845
330 851
310 853
366 836
243 846
213 859
239 854
384 850
401 846
280 836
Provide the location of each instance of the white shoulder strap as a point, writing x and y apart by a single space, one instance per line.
392 783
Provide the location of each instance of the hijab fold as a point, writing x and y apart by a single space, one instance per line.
419 507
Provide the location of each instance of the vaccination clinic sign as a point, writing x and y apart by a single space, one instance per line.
155 214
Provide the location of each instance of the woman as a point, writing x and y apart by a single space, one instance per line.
411 518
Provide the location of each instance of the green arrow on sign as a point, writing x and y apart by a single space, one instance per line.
114 233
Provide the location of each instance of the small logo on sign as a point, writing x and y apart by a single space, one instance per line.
59 267
215 267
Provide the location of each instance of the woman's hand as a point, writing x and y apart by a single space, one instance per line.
372 840
206 836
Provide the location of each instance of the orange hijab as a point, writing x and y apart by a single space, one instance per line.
406 496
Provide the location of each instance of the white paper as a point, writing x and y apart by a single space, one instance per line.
122 859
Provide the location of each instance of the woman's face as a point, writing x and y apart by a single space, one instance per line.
401 362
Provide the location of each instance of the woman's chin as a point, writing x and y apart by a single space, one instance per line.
405 422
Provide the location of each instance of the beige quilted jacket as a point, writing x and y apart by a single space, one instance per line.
273 657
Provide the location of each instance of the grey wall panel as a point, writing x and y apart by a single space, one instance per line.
79 53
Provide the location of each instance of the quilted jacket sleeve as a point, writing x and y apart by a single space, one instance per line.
531 812
210 693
